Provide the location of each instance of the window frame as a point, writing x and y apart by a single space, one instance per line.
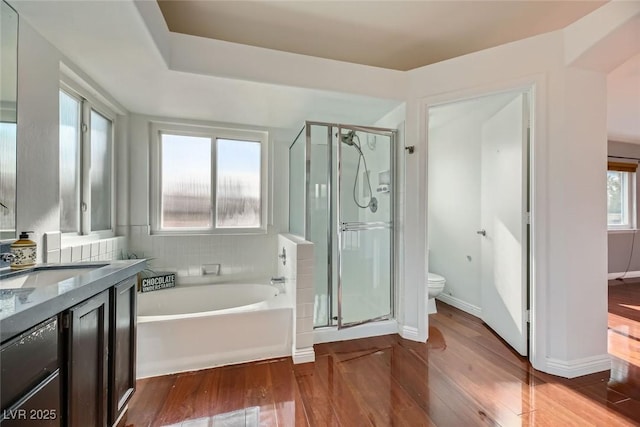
156 129
631 199
88 103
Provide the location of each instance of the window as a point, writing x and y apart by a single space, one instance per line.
207 180
86 165
621 195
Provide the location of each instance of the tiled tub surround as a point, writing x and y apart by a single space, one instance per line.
109 249
297 269
246 256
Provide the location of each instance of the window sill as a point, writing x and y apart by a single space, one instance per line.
75 239
623 231
226 232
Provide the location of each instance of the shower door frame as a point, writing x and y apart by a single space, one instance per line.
334 227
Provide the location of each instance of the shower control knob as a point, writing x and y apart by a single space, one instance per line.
482 232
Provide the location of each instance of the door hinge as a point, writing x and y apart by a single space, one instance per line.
65 320
527 217
84 127
528 316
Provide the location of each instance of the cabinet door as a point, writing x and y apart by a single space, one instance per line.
88 362
123 335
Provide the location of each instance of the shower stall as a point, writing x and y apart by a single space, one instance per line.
341 198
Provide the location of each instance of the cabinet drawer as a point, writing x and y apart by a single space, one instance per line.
27 360
41 407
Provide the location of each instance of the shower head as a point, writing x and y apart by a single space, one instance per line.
348 137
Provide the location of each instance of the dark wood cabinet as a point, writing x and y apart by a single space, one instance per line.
123 347
77 369
30 393
87 362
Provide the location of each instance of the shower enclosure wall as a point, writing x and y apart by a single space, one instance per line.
341 198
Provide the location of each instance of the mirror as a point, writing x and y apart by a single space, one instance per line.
8 119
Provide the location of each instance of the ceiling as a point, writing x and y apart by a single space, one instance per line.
400 35
110 42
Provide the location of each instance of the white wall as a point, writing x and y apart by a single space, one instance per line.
39 73
569 246
454 206
37 177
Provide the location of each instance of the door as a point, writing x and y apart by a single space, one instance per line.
123 356
503 218
365 225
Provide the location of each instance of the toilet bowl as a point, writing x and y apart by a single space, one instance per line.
435 284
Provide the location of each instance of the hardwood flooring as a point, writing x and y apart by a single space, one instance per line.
463 376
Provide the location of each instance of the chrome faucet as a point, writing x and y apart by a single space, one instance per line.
279 282
7 257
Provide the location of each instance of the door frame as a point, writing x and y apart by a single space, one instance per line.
536 86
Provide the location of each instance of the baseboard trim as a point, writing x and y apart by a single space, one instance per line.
461 305
627 275
410 333
578 367
303 355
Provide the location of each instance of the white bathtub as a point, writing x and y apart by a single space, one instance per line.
195 327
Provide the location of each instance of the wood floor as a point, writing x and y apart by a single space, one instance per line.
463 376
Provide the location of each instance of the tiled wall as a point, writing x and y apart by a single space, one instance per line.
297 269
239 256
98 250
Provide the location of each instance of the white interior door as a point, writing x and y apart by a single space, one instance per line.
503 229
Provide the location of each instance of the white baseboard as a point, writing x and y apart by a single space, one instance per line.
410 333
578 367
627 275
461 305
303 355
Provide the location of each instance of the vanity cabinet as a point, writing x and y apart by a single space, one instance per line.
76 369
87 362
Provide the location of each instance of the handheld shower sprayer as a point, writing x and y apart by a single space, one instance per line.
351 139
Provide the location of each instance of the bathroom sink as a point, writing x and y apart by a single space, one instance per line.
43 276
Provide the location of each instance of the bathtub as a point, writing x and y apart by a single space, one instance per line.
188 328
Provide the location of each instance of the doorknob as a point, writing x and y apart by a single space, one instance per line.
482 232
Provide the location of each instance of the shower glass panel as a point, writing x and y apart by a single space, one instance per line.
319 137
297 163
341 198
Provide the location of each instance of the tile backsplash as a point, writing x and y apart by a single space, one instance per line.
98 250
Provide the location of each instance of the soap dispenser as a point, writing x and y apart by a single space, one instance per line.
24 251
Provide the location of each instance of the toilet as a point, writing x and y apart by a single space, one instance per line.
435 285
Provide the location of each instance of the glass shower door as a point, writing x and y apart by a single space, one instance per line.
365 225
